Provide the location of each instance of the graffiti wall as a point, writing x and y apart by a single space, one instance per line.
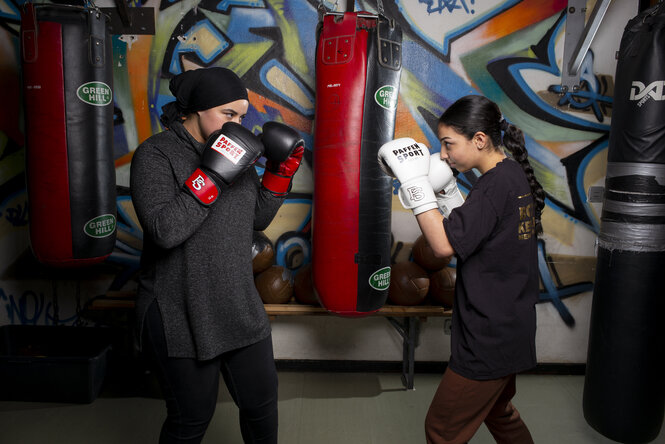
509 50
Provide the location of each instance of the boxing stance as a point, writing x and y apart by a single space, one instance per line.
199 200
493 236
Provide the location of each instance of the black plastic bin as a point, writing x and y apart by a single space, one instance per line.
48 363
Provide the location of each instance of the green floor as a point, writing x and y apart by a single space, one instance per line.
315 408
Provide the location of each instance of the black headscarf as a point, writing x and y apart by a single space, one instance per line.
200 89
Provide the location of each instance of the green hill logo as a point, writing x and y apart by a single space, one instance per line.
95 93
386 97
380 280
100 226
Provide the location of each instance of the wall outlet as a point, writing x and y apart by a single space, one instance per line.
447 323
596 194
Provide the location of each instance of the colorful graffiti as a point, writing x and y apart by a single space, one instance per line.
508 50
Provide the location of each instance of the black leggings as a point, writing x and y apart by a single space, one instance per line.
190 387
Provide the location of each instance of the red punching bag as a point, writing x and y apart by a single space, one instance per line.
358 66
68 104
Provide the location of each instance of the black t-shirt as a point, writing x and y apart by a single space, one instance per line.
493 234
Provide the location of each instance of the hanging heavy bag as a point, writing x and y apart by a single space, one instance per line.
358 66
624 386
68 104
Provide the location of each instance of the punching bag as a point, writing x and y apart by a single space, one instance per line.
68 105
358 66
624 386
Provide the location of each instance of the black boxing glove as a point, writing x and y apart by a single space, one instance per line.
284 149
228 153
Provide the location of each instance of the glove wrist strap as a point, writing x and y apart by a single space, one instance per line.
450 200
417 195
203 187
277 184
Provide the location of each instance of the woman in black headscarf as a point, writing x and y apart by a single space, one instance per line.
199 313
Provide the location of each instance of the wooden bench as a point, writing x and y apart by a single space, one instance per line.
406 320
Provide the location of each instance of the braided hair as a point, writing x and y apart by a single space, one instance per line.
475 113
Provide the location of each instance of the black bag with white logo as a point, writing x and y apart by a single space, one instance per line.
624 388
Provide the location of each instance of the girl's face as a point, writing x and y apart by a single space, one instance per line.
212 119
460 152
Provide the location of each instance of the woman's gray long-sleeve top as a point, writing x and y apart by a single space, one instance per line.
197 261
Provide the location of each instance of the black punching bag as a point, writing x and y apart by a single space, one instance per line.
624 386
68 103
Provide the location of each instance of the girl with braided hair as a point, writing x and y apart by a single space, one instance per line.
493 234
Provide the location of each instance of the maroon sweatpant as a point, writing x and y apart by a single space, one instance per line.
461 405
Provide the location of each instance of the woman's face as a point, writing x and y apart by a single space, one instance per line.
212 119
460 152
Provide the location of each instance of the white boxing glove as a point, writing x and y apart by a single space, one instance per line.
408 161
444 184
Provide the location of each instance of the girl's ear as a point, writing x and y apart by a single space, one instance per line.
480 140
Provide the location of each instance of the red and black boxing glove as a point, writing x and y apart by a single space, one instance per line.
284 149
228 153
